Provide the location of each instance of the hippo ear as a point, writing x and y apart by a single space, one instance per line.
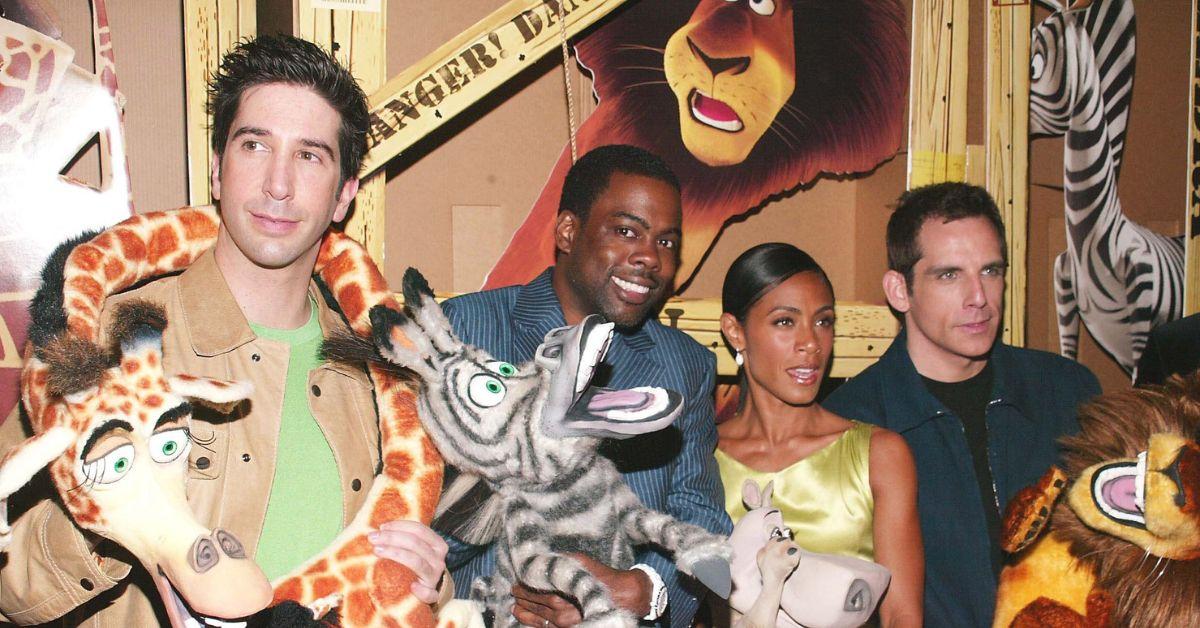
765 502
750 495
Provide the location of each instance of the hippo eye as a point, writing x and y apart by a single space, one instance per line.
111 467
763 7
781 533
168 445
485 391
504 369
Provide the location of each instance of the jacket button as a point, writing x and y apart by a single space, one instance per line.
255 357
356 484
245 457
87 584
316 390
202 462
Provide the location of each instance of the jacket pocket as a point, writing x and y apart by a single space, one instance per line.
210 444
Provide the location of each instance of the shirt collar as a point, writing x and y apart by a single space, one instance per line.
214 322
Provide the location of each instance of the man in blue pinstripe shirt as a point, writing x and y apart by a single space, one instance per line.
617 238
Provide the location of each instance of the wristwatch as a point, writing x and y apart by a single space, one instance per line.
658 593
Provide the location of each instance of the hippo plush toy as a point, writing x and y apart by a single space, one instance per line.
777 583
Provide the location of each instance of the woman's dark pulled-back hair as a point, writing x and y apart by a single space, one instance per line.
588 178
947 202
757 271
286 59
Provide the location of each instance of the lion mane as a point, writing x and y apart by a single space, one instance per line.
844 116
1146 590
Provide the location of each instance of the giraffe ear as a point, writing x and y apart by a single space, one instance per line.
218 393
22 462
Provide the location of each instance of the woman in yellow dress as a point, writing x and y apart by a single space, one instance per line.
842 486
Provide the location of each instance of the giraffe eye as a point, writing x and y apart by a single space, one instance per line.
168 445
111 467
504 369
485 391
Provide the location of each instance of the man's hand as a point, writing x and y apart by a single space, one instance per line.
415 546
630 590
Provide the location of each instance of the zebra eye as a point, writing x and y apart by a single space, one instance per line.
111 467
168 445
1037 65
504 369
485 391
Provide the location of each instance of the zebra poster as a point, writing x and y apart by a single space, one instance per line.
1117 278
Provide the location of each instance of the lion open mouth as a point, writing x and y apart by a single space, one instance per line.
1119 491
712 112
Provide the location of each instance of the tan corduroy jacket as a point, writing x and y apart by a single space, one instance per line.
50 570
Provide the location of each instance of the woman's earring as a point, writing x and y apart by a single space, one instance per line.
737 357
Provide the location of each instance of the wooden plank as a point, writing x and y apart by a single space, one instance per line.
210 29
1191 291
358 41
937 134
1007 146
460 72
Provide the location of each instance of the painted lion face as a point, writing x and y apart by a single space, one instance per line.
1150 501
732 68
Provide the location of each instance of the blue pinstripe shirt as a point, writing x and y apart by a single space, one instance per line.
672 470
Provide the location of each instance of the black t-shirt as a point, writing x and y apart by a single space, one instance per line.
968 401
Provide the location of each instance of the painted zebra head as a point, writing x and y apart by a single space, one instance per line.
1061 65
530 421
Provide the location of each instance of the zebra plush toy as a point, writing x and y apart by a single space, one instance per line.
1120 278
531 432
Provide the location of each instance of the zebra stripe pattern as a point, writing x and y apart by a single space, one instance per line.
1119 278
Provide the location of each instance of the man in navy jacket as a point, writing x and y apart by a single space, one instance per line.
617 237
982 418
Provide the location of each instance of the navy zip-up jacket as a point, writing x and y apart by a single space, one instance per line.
1034 399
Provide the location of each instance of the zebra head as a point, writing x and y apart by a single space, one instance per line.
531 421
1060 61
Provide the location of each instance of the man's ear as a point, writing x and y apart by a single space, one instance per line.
895 288
345 196
214 176
566 227
732 330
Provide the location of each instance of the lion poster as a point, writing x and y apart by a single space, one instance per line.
746 100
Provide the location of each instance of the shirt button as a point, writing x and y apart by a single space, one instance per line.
202 462
255 357
87 584
316 390
245 457
356 484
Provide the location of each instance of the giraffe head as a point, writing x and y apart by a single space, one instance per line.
530 422
113 430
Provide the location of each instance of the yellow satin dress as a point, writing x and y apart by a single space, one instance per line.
825 498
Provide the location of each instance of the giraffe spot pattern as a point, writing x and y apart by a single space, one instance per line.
392 506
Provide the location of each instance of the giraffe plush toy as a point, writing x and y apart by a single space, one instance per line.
363 590
113 430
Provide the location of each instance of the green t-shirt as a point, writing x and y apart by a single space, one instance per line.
304 512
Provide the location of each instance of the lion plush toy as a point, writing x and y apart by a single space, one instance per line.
1122 547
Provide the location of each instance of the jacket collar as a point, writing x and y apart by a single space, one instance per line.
538 310
906 390
215 324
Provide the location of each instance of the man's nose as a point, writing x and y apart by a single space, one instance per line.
647 255
975 296
279 183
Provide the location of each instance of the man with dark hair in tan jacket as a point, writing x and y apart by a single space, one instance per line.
289 135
